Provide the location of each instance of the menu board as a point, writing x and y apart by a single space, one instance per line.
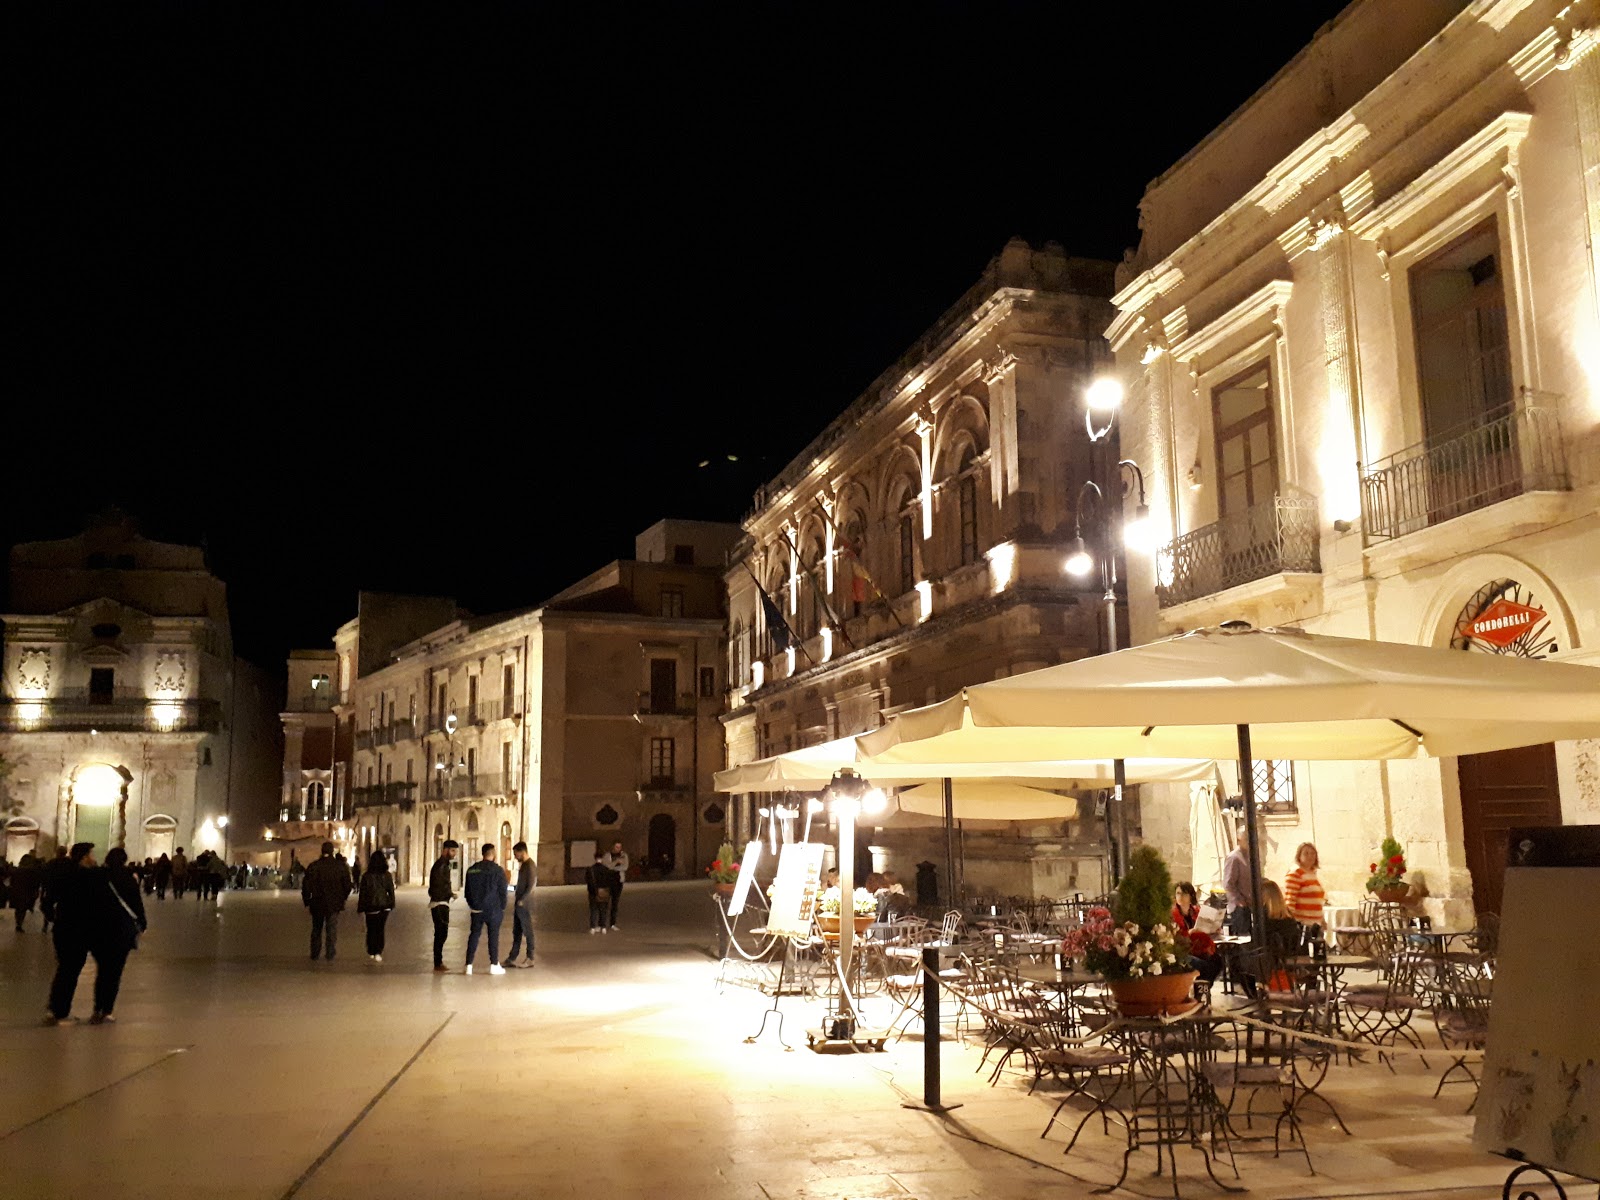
747 875
1540 1100
794 891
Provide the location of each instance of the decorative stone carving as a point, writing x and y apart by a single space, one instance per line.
1586 769
171 672
33 670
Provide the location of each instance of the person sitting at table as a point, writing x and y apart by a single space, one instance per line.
1302 890
1284 934
891 881
1203 955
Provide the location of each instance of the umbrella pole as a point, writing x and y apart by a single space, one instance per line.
950 841
1119 775
1247 781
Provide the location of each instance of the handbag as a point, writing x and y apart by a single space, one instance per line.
133 919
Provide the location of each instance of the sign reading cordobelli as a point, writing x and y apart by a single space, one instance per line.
1503 618
794 891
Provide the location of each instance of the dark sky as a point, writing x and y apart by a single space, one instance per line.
455 299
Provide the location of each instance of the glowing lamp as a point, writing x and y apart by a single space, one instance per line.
1139 534
1079 561
1104 395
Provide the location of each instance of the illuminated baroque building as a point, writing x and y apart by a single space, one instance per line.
588 719
119 699
916 546
1362 353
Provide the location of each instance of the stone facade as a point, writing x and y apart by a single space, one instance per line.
1361 345
589 719
118 698
916 546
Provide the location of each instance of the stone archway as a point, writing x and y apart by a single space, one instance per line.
98 805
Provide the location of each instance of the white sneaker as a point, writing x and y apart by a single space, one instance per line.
605 931
593 931
616 927
469 968
496 969
377 958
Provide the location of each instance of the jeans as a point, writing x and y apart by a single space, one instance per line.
375 923
523 915
616 904
324 923
441 931
1239 921
490 918
597 911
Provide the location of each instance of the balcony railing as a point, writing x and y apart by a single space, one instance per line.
1265 539
467 787
122 716
486 711
313 702
667 706
384 793
1513 450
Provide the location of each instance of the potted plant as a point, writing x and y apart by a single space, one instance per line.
831 903
723 871
1388 879
1133 946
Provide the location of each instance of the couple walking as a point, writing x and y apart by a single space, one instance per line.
97 911
325 887
485 886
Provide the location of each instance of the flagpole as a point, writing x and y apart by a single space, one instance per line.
821 595
770 605
862 573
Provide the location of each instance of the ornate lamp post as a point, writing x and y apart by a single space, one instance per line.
847 797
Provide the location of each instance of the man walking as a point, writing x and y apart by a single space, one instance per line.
486 900
440 893
324 889
617 860
522 909
55 877
70 902
180 874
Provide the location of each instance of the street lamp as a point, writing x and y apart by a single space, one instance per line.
849 795
1102 401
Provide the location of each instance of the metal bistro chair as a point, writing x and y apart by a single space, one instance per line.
1460 999
1013 1018
1380 1013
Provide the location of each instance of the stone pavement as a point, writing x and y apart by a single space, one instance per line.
612 1070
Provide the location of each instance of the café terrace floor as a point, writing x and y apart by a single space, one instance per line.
613 1069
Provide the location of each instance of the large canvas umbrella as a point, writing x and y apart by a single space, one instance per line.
983 800
1272 693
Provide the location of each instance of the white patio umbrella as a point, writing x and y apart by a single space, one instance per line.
984 800
1240 692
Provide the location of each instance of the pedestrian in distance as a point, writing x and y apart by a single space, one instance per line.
324 888
522 905
119 920
486 900
163 873
180 874
375 899
219 879
72 899
23 887
440 893
598 880
54 876
617 860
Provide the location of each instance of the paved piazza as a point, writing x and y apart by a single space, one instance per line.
613 1069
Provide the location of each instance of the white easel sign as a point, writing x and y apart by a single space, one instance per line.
747 874
794 891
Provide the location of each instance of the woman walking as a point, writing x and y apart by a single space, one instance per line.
116 934
376 900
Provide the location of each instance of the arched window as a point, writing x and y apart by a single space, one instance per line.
967 507
908 553
813 601
852 557
736 654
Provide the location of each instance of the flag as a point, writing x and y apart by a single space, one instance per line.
777 628
860 581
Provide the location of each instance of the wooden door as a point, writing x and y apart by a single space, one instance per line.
1506 790
663 684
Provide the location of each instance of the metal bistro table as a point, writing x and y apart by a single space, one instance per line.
1171 1103
1066 984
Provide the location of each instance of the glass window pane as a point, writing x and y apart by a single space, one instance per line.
1232 456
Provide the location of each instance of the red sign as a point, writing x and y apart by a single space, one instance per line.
1503 622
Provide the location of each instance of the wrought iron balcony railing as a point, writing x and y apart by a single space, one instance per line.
1265 539
384 793
1510 451
670 706
319 701
462 786
122 716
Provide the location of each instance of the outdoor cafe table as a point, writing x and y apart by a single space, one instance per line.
1066 984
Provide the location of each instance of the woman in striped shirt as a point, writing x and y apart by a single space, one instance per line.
1302 890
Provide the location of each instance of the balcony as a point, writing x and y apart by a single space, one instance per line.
488 711
72 715
1274 537
483 785
1510 452
319 701
384 793
651 705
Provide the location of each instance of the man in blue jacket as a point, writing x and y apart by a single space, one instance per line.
486 899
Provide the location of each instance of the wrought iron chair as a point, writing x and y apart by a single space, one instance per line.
1460 998
1381 1013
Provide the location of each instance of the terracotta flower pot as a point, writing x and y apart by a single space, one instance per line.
723 889
1154 995
829 923
1393 895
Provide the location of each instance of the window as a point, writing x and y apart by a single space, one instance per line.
391 712
372 718
106 631
411 711
908 556
102 685
410 766
1247 467
715 814
1458 304
319 683
683 555
708 682
472 698
1274 780
967 504
854 551
663 760
443 708
671 602
736 655
505 765
472 763
607 815
508 689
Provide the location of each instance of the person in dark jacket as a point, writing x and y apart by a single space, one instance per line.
375 898
72 904
324 889
440 893
486 899
23 887
598 879
120 921
522 909
54 876
163 875
618 861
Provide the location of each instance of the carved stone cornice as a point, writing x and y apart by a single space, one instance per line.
1266 301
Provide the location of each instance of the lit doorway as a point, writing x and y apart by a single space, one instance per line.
97 792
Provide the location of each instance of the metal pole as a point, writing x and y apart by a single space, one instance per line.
950 842
1120 782
930 1023
847 894
1247 781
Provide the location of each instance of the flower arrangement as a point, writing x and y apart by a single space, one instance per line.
1136 940
1390 869
723 868
832 902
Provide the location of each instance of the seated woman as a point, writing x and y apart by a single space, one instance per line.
1203 955
1284 933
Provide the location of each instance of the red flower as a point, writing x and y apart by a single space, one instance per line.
1373 867
1397 859
735 867
716 864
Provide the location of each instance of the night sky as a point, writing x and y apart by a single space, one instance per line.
456 299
